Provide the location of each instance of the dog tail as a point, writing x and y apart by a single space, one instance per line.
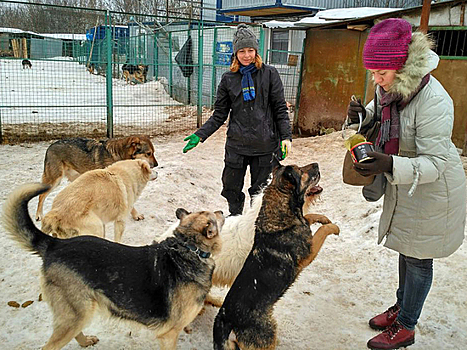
18 223
221 332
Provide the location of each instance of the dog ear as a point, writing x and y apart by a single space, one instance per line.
220 218
133 143
180 213
276 168
145 165
293 178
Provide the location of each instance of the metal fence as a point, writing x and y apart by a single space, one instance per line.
114 74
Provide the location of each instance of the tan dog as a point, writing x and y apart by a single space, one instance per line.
160 286
96 198
73 157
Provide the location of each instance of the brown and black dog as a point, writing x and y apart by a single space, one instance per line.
161 286
283 246
74 156
26 64
133 73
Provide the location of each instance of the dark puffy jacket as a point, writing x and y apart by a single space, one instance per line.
255 127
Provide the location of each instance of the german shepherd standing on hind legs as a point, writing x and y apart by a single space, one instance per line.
73 156
161 286
283 246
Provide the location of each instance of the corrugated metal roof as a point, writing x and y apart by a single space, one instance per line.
303 24
315 4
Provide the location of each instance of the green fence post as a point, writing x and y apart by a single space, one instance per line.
261 42
170 66
214 73
299 90
156 56
200 74
1 128
188 79
108 75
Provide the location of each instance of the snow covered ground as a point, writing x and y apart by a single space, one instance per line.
66 88
327 308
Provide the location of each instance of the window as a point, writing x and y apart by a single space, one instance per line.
279 46
450 43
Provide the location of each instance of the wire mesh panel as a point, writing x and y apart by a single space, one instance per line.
94 73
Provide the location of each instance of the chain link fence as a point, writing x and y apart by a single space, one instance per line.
113 74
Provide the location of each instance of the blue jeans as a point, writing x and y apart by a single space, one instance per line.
415 278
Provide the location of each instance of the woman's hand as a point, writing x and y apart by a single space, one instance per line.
193 141
353 109
382 163
286 147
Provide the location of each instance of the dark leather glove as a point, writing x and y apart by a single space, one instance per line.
382 163
354 108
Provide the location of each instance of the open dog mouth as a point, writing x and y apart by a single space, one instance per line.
314 190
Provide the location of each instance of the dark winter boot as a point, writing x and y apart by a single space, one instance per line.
393 337
236 208
384 320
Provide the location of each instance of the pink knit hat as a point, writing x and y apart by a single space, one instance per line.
387 45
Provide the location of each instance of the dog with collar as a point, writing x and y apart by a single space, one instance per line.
161 286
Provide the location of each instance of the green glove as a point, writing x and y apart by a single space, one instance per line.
286 147
193 141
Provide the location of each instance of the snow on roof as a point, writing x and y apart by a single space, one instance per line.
331 16
56 36
66 36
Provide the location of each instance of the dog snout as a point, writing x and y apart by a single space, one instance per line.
153 162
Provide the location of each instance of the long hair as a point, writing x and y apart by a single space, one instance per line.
235 65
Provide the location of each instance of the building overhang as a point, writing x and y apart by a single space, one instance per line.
271 10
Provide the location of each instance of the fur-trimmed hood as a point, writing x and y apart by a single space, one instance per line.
421 60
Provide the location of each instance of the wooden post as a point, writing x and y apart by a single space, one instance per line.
24 47
425 16
462 14
15 46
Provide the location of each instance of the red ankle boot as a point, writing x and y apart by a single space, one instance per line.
393 337
384 320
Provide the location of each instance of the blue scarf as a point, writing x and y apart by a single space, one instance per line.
248 87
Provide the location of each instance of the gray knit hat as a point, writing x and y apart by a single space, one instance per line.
244 37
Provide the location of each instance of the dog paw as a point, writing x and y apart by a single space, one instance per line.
333 229
138 217
89 340
313 218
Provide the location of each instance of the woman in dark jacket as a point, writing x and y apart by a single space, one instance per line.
259 126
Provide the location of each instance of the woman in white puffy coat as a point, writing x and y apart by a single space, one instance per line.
424 208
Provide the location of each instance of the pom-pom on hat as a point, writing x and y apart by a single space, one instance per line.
387 45
244 37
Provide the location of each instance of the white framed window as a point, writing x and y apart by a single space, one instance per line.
279 46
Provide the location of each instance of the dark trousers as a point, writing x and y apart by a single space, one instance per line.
233 178
415 278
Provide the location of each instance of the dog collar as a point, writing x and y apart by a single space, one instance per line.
201 253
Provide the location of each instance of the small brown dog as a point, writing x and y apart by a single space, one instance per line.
74 156
96 198
133 73
26 64
283 246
